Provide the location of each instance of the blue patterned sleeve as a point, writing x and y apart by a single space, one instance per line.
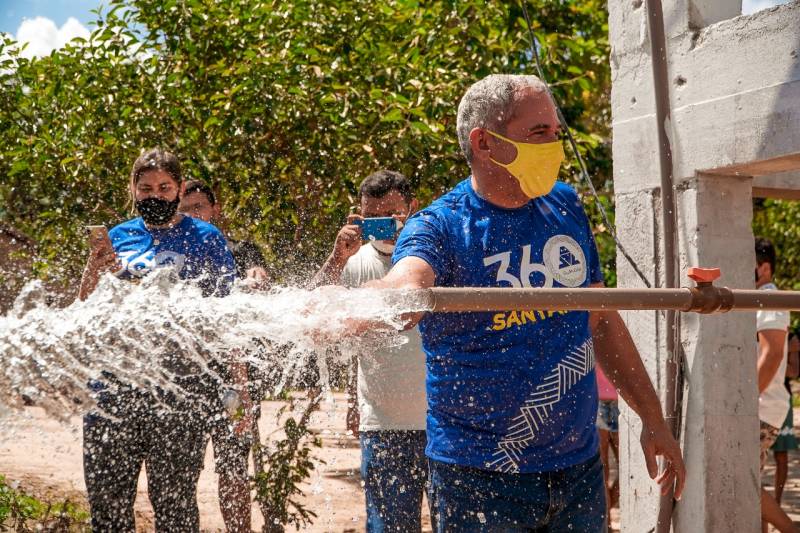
424 236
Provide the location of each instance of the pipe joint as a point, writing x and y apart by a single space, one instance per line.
708 299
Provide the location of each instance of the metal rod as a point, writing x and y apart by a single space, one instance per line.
701 299
673 393
454 300
758 300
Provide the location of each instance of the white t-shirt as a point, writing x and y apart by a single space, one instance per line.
773 404
391 382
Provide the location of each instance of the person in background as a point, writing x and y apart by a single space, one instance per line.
772 327
131 425
389 384
786 438
199 201
608 429
233 442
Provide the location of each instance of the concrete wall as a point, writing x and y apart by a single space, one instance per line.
735 107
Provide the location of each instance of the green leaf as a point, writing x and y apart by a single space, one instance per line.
394 115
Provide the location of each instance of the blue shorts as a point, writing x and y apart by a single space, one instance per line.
395 473
467 500
608 415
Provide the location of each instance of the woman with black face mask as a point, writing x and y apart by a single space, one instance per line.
134 425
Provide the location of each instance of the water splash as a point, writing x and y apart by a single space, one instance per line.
134 331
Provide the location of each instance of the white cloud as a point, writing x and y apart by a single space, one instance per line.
43 36
751 6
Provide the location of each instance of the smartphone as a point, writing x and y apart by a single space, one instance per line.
98 235
379 229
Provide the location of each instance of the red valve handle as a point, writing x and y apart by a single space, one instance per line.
703 275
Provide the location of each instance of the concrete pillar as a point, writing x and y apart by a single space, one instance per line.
637 215
720 417
683 15
745 123
720 429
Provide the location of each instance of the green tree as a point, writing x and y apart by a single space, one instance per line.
779 221
283 106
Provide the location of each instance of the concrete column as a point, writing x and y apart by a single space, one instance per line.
720 429
637 215
746 119
696 14
720 420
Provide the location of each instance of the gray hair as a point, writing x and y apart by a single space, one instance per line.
488 103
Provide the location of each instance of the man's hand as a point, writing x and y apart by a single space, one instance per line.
257 273
348 241
658 441
256 278
617 355
353 418
244 422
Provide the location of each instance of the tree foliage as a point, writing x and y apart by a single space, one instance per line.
283 106
779 221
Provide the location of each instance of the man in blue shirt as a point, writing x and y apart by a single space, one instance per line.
512 399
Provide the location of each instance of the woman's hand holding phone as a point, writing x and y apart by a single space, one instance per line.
102 257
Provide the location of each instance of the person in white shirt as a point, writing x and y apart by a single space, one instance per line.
772 327
391 414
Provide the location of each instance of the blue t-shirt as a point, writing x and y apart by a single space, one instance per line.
195 248
512 391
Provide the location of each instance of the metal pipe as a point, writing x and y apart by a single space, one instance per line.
673 393
459 300
705 299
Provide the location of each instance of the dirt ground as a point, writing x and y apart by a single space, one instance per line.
44 456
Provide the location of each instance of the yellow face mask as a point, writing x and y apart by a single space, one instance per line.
536 165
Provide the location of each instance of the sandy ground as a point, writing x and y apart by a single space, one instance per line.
44 456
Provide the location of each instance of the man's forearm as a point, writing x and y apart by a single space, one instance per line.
330 273
768 364
352 379
238 371
771 343
617 355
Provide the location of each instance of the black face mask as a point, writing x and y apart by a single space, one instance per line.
157 212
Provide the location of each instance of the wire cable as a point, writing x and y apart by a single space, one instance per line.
584 172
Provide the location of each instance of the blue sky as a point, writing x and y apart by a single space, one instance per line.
12 12
48 23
